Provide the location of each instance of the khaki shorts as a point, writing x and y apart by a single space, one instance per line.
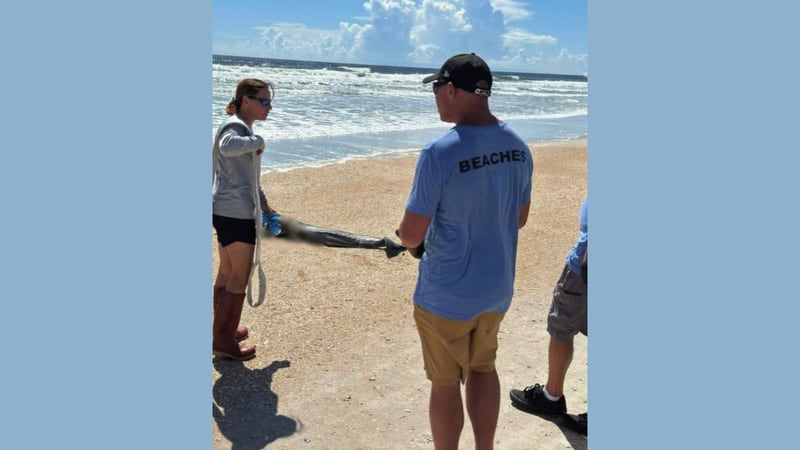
451 348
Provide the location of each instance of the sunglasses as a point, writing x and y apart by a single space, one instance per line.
438 83
263 101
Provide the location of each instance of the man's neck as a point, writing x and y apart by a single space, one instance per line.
477 119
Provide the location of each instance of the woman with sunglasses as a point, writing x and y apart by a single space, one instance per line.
237 199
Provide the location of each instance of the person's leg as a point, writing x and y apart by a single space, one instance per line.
446 414
483 384
224 269
483 406
445 352
567 316
559 357
229 309
223 274
241 259
226 320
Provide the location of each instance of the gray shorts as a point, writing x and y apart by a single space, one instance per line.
568 310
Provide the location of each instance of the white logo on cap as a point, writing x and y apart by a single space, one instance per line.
446 74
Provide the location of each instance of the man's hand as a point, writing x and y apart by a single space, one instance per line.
416 252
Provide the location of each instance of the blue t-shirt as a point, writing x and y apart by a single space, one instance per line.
472 182
575 257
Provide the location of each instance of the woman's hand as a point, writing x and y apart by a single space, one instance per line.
266 208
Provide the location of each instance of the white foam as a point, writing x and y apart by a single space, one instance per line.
357 108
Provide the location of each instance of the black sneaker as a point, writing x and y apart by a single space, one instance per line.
578 424
532 400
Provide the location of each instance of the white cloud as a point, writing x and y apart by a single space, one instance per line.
425 53
386 36
294 40
512 10
231 36
516 37
560 62
438 26
418 33
442 28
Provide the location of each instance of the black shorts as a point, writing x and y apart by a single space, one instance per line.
230 230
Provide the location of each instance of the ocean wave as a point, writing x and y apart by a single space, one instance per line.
324 111
361 71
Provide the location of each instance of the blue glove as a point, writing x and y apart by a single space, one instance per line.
272 222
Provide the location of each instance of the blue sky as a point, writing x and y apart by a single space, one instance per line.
526 36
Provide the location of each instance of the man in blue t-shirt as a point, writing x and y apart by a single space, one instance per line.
567 317
471 194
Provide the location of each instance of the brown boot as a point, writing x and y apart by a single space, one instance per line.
226 319
241 330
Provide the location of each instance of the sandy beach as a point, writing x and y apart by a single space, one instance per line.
338 361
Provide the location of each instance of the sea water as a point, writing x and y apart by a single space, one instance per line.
327 112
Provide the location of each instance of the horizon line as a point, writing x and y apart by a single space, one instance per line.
583 76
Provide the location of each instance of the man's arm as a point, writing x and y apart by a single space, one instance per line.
523 214
412 229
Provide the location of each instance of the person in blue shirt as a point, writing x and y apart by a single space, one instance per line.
567 317
470 196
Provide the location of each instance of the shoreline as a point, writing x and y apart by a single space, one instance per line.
400 153
338 362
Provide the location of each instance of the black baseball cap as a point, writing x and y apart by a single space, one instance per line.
466 71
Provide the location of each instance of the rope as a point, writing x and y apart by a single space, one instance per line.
262 278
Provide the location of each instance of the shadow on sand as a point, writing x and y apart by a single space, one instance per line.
246 409
576 440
